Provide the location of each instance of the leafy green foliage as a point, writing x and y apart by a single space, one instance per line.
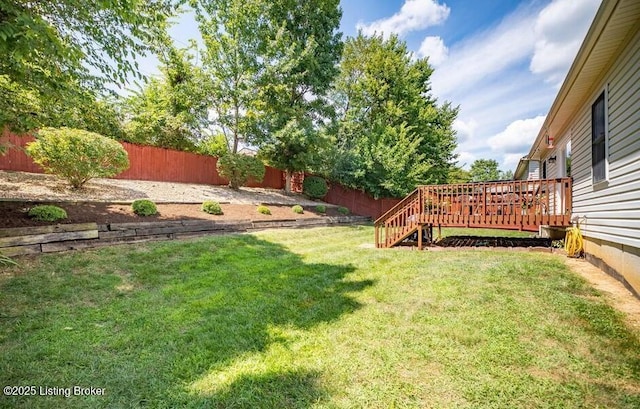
321 209
58 55
213 145
484 170
315 187
144 207
238 169
343 210
263 210
458 175
47 213
212 207
297 209
77 155
390 134
265 59
231 32
302 51
170 111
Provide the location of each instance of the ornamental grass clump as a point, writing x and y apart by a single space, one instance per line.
77 155
263 210
47 213
343 210
321 209
144 207
297 209
211 207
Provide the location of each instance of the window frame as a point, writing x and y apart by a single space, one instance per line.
603 95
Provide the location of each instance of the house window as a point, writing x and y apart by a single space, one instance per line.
598 140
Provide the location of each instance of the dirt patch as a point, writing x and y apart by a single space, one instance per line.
620 297
14 214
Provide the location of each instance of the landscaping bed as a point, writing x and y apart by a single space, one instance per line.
14 213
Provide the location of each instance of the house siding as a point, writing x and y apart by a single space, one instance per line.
609 212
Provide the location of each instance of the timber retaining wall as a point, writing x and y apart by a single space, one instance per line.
63 237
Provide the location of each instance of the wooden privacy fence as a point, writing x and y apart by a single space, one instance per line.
146 163
515 205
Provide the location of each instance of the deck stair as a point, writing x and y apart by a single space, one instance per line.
513 205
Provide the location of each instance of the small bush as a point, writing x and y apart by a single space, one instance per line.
343 210
297 209
144 207
315 187
47 213
77 155
321 209
238 169
211 207
264 210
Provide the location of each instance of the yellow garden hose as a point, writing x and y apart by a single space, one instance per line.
573 243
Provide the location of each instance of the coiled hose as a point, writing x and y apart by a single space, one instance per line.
573 243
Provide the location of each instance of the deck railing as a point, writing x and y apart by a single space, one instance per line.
514 205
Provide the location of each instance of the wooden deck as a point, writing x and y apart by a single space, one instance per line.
512 205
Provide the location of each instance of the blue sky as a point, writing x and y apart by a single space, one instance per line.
501 61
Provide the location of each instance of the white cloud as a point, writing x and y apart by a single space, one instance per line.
517 136
434 48
510 161
464 129
560 29
487 54
414 15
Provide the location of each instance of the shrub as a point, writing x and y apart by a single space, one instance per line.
315 187
47 213
343 210
297 209
321 209
264 210
211 207
144 207
239 168
77 155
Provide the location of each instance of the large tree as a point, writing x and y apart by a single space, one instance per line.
484 170
302 47
391 135
58 54
170 111
232 34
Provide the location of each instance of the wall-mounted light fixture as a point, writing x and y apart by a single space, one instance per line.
552 159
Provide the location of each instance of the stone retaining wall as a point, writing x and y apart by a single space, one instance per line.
63 237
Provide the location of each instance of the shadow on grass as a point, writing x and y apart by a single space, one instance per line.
146 322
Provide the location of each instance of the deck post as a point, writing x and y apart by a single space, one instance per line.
419 236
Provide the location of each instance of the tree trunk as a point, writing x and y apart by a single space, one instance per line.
287 181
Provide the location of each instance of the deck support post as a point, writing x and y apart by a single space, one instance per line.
420 237
439 231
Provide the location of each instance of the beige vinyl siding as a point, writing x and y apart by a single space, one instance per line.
612 209
534 170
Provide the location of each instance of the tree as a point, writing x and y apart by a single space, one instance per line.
170 111
390 135
484 170
60 54
459 175
506 175
302 49
231 32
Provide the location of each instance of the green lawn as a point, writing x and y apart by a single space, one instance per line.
311 318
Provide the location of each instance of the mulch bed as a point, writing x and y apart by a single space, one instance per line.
14 214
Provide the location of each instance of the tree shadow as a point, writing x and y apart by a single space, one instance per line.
149 321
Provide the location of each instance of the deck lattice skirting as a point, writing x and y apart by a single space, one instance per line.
63 237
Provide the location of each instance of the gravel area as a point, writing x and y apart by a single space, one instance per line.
35 186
